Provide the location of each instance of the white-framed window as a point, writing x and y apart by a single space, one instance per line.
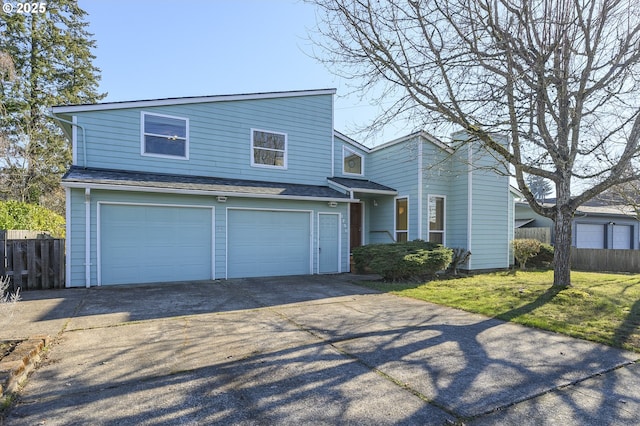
268 149
352 162
402 219
436 219
164 136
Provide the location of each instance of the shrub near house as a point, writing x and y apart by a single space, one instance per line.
524 249
402 261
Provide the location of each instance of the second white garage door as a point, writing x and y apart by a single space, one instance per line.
264 243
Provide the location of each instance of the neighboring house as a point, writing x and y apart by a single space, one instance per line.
594 225
250 185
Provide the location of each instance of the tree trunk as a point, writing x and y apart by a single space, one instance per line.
562 252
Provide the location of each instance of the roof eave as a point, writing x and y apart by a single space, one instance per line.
62 109
214 193
428 137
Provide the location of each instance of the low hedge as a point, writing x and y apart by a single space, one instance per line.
402 261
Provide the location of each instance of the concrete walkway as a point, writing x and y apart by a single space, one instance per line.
302 350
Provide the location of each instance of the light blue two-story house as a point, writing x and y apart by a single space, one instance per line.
248 185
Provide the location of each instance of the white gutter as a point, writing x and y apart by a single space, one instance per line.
87 237
112 187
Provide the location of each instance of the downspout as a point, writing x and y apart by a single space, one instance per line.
84 140
87 237
67 195
420 190
469 197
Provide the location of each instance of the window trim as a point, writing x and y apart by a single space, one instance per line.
344 156
143 134
285 151
444 218
395 217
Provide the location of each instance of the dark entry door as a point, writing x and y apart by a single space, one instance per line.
355 219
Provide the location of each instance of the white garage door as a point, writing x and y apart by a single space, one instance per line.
621 236
263 243
145 243
589 236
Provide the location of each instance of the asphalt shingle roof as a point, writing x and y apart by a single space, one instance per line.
355 184
200 183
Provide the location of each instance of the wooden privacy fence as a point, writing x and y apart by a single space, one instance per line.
33 263
610 260
541 234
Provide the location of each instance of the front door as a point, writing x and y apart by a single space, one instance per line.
355 230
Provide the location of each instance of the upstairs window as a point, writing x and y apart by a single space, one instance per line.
165 136
352 164
269 149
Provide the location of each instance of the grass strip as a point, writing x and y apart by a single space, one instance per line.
599 307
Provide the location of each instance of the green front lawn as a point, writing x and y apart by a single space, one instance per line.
599 307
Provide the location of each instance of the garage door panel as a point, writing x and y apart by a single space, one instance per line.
263 243
621 236
589 236
144 243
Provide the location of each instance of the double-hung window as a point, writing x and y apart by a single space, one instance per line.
269 149
436 219
165 136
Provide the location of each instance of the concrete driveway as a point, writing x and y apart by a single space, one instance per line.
300 350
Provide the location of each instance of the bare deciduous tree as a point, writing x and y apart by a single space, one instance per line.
559 77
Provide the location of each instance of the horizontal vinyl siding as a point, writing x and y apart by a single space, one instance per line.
397 167
75 240
458 202
220 138
490 232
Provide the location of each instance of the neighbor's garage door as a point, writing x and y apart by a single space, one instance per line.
268 243
143 243
621 237
589 236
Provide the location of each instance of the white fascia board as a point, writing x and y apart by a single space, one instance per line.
374 191
350 141
430 138
184 101
134 188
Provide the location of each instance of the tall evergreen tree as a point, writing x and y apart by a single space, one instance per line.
52 56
